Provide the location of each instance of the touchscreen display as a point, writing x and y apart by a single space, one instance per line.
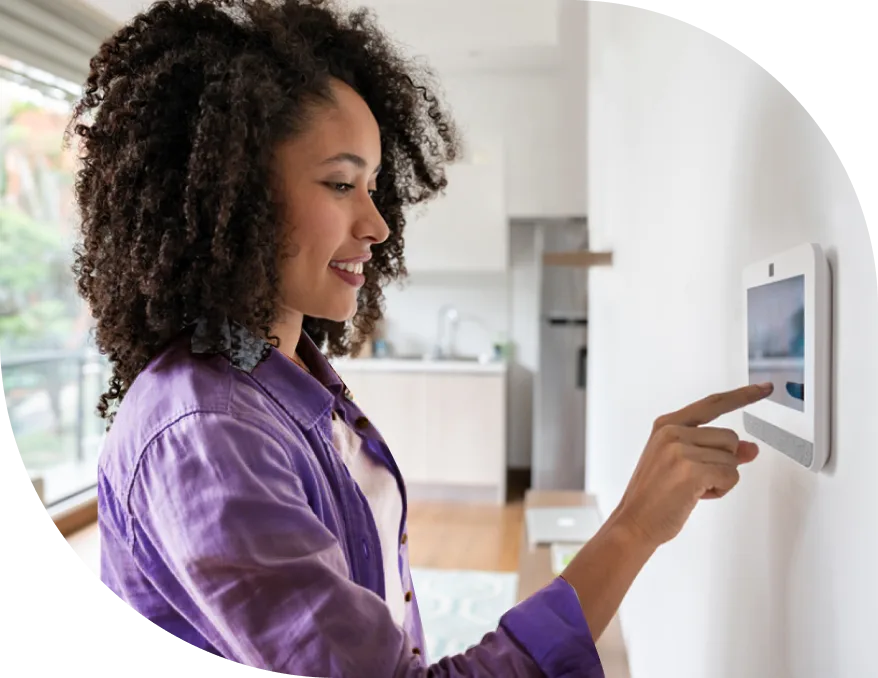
776 339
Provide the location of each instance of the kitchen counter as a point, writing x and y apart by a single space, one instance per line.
463 366
411 400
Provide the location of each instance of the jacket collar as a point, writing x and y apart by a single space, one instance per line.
306 397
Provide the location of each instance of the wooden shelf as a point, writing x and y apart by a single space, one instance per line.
578 258
535 572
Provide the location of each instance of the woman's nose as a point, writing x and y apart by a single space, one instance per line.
371 225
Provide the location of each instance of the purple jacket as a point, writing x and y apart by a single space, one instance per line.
227 519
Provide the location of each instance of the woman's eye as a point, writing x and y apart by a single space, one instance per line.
342 187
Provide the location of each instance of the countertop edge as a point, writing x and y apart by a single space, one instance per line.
423 366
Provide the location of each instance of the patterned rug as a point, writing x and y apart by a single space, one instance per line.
458 607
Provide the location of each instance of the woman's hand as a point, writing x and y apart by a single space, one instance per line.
683 462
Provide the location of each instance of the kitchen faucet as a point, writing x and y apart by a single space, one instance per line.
446 330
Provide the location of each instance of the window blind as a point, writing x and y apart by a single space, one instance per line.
56 36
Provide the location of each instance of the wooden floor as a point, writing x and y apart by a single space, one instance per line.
462 537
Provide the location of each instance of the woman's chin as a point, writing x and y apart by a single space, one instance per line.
340 313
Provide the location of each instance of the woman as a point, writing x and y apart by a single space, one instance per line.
245 169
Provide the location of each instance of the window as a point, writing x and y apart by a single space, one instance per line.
52 375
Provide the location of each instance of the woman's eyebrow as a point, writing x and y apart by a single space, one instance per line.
351 158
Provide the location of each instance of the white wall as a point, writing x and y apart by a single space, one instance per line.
700 162
412 311
573 99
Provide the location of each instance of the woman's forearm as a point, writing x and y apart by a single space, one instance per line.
603 571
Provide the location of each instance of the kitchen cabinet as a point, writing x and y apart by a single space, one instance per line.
396 403
446 430
465 229
467 441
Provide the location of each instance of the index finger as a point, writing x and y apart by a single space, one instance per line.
707 409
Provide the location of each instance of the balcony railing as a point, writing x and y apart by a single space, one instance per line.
51 398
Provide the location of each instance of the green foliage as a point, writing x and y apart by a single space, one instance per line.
33 256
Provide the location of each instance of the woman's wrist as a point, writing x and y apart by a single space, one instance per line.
628 533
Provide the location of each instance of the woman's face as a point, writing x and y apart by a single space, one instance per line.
326 177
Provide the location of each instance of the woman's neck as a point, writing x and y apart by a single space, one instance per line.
288 329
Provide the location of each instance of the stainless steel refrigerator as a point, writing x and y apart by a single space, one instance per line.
558 456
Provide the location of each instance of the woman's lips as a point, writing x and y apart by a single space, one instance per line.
351 278
350 270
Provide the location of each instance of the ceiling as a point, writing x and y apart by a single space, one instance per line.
454 35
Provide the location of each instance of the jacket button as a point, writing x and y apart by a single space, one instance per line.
405 537
416 650
361 423
334 415
408 596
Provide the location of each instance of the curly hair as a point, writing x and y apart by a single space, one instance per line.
180 115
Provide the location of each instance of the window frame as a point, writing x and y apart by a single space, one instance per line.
78 508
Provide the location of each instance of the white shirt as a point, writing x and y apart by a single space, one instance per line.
381 491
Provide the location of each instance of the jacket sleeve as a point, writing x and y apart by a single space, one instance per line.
219 503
